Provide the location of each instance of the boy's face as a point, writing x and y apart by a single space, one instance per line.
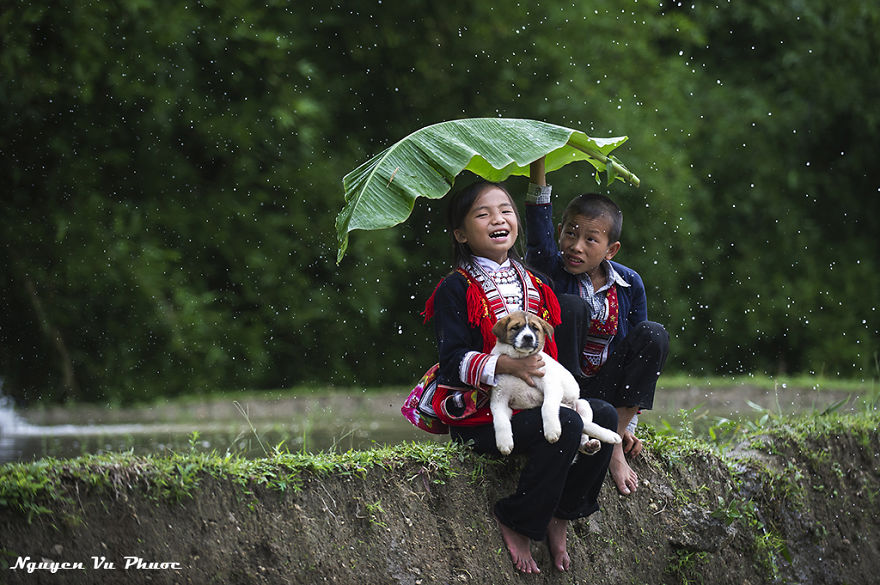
584 243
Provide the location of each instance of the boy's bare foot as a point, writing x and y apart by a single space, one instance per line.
556 542
623 475
519 547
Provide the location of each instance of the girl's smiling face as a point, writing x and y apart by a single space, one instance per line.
490 227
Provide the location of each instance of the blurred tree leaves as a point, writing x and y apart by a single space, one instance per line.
173 171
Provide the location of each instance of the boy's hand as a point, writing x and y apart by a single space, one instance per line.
632 445
536 172
525 369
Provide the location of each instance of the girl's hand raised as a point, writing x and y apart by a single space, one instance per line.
525 368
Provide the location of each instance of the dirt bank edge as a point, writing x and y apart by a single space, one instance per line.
794 504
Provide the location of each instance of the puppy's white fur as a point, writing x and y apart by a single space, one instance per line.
522 334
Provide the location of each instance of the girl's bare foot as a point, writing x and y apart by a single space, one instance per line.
519 547
556 542
623 475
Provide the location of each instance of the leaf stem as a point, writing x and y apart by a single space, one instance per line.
621 170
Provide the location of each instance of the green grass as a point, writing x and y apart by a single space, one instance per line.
867 386
722 432
32 488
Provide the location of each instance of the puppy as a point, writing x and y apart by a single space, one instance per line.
522 334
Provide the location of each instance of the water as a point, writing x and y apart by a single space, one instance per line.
335 420
11 426
252 428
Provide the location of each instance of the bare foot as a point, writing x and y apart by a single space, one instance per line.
519 547
556 542
623 475
632 445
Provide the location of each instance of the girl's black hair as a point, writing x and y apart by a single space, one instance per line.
459 205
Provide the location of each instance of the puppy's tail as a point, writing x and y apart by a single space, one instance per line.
601 433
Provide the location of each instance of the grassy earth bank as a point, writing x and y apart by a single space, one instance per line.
793 503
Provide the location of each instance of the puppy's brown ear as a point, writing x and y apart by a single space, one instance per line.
500 327
548 329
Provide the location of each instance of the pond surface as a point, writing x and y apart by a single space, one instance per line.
335 421
253 427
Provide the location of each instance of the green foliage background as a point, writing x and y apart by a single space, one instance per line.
172 172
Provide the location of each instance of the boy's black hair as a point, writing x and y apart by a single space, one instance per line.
459 206
594 206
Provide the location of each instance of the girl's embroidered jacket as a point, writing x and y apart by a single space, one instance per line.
463 322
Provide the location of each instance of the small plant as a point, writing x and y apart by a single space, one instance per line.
193 440
684 563
373 511
769 545
247 418
731 512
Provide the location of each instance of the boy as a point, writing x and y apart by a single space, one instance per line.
605 338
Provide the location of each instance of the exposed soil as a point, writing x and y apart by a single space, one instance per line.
814 520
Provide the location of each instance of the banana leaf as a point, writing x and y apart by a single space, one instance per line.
381 192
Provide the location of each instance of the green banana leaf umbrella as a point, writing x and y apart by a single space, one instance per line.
381 192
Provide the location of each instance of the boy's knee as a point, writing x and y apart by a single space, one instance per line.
652 334
652 331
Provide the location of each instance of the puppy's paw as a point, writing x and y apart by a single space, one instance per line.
589 446
615 439
552 432
504 444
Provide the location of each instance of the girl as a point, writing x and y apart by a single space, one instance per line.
488 282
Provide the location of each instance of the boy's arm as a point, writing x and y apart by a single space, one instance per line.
536 173
639 310
541 250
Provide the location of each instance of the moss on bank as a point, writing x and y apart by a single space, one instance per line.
32 488
791 502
